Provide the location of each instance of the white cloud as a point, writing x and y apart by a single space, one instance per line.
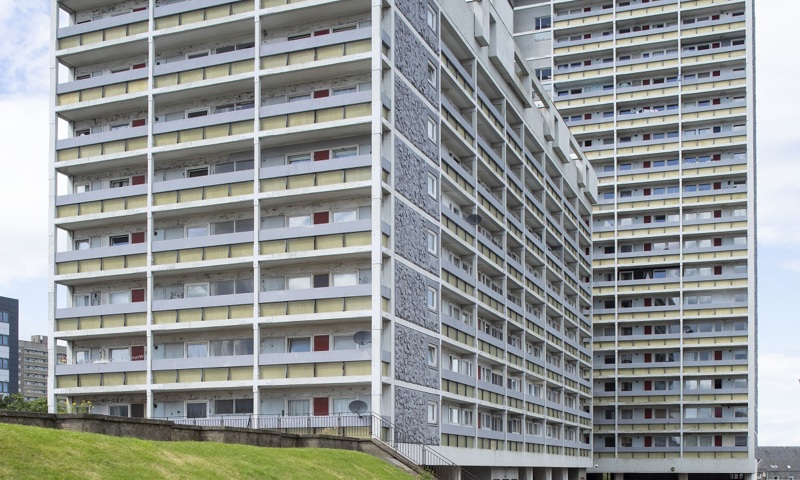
778 415
24 43
24 189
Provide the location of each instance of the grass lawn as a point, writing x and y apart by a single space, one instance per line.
42 453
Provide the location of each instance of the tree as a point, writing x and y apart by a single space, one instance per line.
16 402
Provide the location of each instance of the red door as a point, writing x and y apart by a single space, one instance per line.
321 406
322 343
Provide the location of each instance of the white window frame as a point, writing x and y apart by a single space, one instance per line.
432 412
431 129
186 113
432 240
197 168
432 185
433 355
431 298
188 286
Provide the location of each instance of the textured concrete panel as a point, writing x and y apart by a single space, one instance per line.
412 59
411 119
411 357
416 11
411 237
410 303
411 417
411 178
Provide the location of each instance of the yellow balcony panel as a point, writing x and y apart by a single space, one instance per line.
191 135
135 319
300 307
712 114
715 142
241 250
165 317
215 374
241 311
360 46
599 71
241 373
272 371
330 369
714 57
69 42
273 247
216 131
720 84
300 371
190 375
357 368
113 379
190 315
646 39
645 122
272 309
330 51
190 195
66 268
66 324
113 321
585 47
357 303
647 66
135 378
67 381
90 380
165 376
113 263
648 149
576 22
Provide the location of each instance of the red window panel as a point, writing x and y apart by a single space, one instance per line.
648 441
139 122
646 136
717 242
645 27
322 155
646 164
717 213
648 357
648 330
717 412
717 185
646 81
321 217
717 440
586 63
137 353
716 101
647 191
322 343
648 385
587 116
139 9
715 45
714 17
138 180
587 36
648 219
715 73
321 406
648 302
137 66
137 295
648 413
718 270
716 157
137 237
717 355
322 93
322 32
648 247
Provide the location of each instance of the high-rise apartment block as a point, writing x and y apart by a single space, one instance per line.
33 365
285 212
9 326
660 94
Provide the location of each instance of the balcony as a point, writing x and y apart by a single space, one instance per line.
186 13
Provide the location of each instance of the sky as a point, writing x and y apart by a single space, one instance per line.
24 85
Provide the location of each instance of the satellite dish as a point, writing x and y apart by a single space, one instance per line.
358 407
362 338
474 219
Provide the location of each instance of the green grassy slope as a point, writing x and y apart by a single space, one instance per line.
40 453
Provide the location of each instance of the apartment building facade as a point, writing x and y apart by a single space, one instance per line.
9 328
660 95
292 213
33 366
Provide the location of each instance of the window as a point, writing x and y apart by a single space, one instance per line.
196 290
431 298
345 152
197 231
341 279
119 183
432 355
299 407
298 283
432 412
431 74
433 242
196 172
117 240
297 345
431 129
201 112
541 23
197 350
432 185
118 298
118 410
430 18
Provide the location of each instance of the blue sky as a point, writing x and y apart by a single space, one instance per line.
24 82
